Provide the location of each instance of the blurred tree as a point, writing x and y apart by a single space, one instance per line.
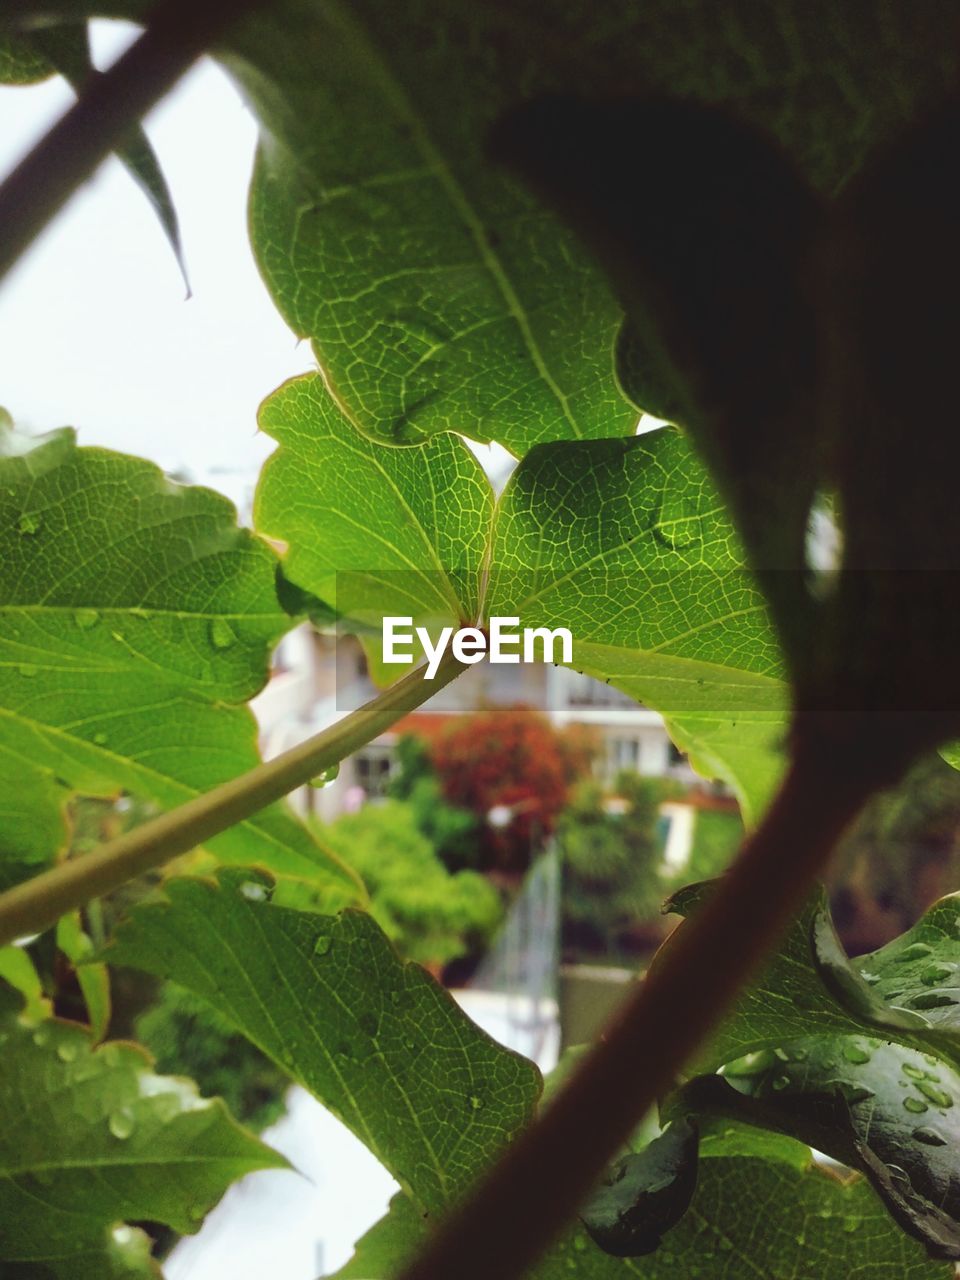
453 832
612 854
433 916
901 854
510 758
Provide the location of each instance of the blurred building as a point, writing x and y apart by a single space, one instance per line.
319 678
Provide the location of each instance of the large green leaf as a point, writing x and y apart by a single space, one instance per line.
376 1040
135 619
770 1218
436 293
91 1139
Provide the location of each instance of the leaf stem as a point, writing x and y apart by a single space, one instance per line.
521 1206
38 903
177 33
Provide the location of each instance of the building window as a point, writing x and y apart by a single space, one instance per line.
374 765
622 753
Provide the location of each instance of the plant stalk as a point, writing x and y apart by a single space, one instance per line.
177 33
534 1191
38 903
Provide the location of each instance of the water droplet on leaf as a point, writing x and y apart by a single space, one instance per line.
916 951
855 1053
326 777
916 1105
254 892
930 1137
28 524
86 618
939 1097
27 669
222 635
322 945
915 1073
120 1123
66 1050
935 975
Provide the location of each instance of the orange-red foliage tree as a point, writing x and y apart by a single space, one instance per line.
509 757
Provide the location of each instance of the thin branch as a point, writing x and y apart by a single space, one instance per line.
536 1188
177 33
39 903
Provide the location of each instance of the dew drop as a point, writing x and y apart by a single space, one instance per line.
915 1073
41 1036
724 1244
196 1213
28 524
254 892
916 1105
322 945
932 1000
939 1097
936 975
326 777
780 1082
409 1044
86 618
856 1053
930 1137
27 669
222 635
66 1051
871 978
850 1224
120 1123
916 951
100 739
475 1102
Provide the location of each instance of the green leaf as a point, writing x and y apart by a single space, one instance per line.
435 292
91 1139
20 63
135 619
627 543
375 531
18 971
887 1111
94 979
377 1041
749 1217
644 1194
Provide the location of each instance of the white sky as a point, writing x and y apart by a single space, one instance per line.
95 331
